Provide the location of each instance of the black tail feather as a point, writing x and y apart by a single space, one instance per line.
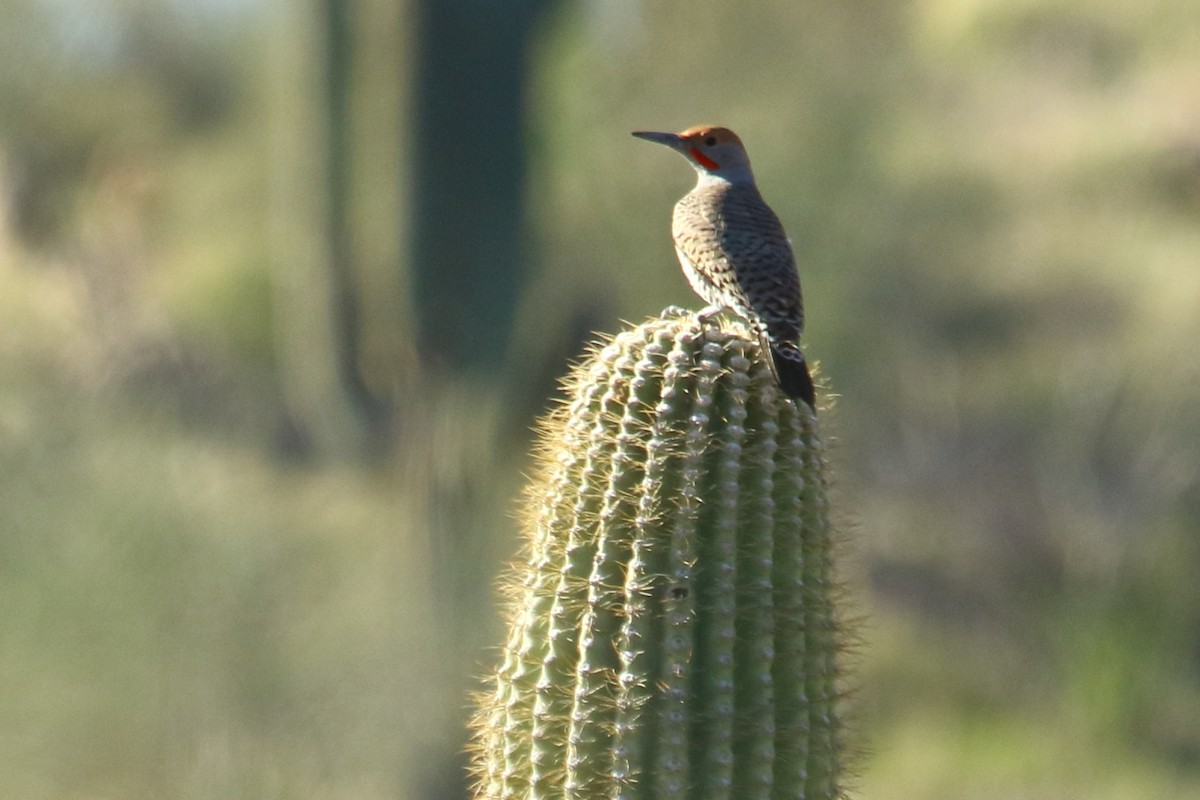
791 370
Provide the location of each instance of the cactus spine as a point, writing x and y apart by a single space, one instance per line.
672 632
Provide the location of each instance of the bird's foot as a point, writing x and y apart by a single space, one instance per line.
705 315
673 311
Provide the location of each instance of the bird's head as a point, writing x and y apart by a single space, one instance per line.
711 150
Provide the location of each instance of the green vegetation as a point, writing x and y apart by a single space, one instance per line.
247 543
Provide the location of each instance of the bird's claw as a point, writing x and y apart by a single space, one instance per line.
705 315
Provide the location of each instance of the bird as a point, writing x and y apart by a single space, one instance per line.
734 251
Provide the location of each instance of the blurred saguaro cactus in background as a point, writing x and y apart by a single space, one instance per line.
673 632
469 176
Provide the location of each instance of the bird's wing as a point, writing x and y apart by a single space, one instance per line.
754 241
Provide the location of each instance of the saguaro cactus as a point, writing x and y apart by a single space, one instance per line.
672 632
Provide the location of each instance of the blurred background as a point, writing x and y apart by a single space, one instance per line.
284 284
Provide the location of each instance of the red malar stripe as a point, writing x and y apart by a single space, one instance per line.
703 160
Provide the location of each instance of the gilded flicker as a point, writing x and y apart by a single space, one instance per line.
733 249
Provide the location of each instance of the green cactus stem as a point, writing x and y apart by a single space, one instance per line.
672 632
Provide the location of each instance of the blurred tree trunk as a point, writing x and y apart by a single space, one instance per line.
469 177
318 304
465 220
339 138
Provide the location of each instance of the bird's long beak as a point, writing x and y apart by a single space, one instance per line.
671 140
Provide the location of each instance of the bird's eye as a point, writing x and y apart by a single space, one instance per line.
710 141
